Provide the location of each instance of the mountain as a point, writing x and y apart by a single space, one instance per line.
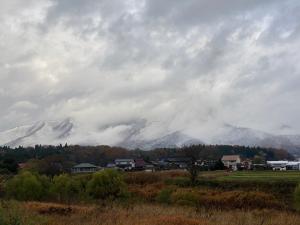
131 135
172 140
231 135
51 132
60 132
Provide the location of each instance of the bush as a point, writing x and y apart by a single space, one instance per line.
12 213
27 186
106 184
183 197
180 182
164 196
297 197
65 188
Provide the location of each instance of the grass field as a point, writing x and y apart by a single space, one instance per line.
259 176
36 213
218 199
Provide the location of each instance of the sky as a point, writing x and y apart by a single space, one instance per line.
192 65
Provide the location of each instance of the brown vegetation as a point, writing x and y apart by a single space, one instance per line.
145 214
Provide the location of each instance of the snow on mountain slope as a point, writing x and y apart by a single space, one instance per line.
249 137
172 140
131 135
53 133
39 133
231 135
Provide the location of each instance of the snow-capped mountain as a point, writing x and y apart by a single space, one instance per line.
230 135
172 140
131 135
60 132
50 132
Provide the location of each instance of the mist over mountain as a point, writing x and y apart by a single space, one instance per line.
131 135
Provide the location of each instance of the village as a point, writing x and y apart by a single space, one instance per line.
227 162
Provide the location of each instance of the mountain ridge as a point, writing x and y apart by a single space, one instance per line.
60 132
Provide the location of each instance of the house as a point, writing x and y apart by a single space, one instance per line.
85 168
231 161
206 164
23 165
293 166
175 163
139 164
149 168
125 164
283 165
111 165
246 164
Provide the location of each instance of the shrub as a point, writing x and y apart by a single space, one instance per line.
12 213
184 197
297 197
65 188
164 196
180 182
27 186
106 184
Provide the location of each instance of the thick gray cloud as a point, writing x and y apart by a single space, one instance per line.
189 65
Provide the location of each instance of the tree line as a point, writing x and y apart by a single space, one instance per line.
52 160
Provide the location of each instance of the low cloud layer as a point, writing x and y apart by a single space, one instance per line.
190 65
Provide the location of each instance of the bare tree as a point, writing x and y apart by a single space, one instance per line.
193 153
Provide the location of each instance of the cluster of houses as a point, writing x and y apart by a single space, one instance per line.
230 162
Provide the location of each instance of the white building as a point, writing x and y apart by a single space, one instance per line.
284 165
126 164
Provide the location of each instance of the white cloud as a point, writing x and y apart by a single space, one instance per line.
188 65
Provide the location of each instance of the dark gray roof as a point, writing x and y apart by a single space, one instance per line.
124 160
85 165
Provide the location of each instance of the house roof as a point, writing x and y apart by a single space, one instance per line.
230 157
85 165
178 160
124 160
139 162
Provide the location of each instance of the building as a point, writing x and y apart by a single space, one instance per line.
175 163
150 168
231 161
246 164
111 165
139 164
206 164
284 165
85 168
125 164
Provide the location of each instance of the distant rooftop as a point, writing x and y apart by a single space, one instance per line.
85 165
124 160
230 157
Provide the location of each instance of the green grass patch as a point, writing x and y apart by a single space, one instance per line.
267 176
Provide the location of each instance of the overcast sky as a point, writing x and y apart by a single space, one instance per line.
184 65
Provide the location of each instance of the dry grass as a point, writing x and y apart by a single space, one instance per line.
148 214
147 192
143 178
